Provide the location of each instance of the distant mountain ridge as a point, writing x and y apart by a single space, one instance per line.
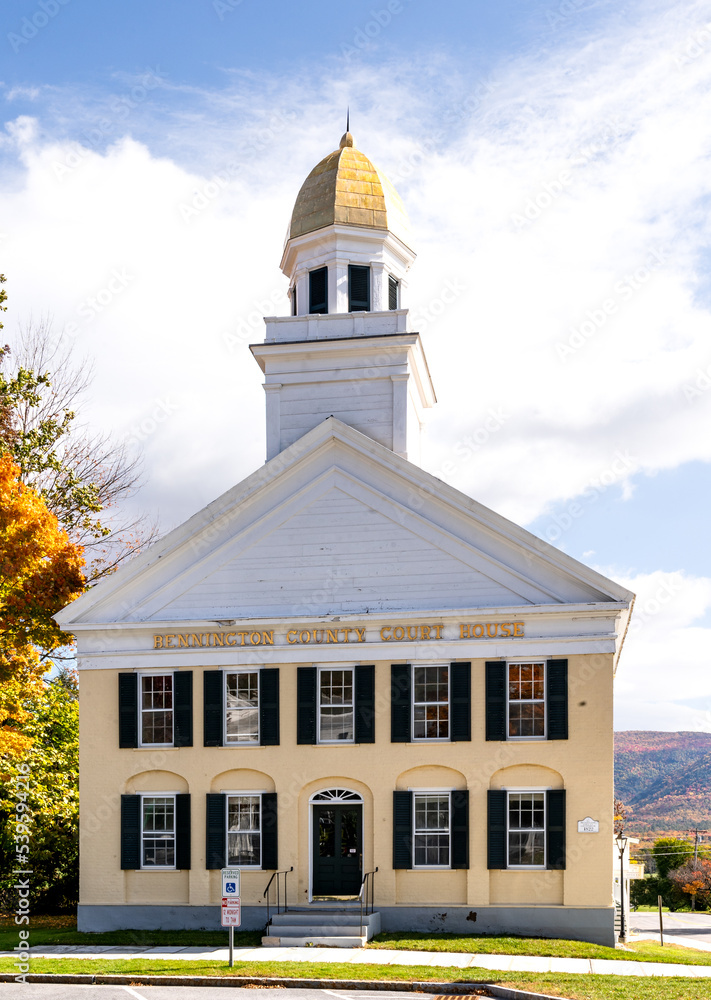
665 781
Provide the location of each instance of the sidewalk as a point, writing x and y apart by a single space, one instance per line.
366 956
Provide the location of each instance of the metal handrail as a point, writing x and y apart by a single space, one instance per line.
284 872
368 882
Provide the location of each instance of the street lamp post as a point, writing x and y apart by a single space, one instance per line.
621 842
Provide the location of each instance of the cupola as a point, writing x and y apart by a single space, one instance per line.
346 350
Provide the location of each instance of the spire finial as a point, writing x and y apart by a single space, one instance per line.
347 138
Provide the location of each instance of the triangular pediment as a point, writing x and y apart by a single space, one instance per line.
339 524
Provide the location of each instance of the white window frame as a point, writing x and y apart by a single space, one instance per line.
155 673
159 795
518 701
240 743
243 793
419 792
431 739
544 831
331 669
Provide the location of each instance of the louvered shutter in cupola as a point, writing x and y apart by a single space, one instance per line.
183 708
460 702
400 703
365 704
358 288
557 699
495 700
216 831
402 829
269 707
318 290
128 710
213 708
306 705
392 292
496 828
130 832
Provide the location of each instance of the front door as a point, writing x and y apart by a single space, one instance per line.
337 850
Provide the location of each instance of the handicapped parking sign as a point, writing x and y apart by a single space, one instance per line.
230 882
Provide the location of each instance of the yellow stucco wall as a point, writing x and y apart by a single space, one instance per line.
583 765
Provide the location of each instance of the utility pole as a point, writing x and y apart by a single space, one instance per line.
696 860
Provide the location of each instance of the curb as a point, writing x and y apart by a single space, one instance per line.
491 990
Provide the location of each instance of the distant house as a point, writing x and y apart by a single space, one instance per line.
342 663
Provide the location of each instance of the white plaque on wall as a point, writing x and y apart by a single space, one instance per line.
588 825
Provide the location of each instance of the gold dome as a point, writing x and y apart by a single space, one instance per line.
346 188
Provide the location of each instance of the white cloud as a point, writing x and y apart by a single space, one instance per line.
665 660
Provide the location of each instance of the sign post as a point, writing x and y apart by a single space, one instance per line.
231 910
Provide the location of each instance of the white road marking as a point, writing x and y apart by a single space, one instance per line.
133 993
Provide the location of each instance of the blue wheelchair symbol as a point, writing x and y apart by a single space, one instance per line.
230 887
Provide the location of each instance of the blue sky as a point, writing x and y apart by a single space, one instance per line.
554 159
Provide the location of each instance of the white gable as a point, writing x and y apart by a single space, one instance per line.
338 524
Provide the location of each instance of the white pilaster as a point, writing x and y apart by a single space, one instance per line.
273 404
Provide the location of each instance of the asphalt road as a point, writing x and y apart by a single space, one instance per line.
693 929
53 991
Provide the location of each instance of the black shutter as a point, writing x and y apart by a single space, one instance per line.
358 288
306 705
216 831
318 290
365 704
495 700
128 710
269 707
557 699
496 835
392 292
270 839
183 708
400 703
460 829
182 832
555 828
460 703
402 829
213 708
130 831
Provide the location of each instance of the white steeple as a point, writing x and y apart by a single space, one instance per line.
346 350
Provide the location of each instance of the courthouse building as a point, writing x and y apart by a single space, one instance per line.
343 663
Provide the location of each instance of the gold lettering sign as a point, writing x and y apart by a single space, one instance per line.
326 636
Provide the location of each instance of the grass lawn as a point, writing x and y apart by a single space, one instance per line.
572 987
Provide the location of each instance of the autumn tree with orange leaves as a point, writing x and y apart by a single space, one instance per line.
40 572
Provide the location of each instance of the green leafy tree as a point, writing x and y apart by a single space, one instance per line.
670 853
48 822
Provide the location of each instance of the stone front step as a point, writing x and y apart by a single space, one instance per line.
335 928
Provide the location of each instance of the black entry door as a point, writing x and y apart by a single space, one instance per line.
337 850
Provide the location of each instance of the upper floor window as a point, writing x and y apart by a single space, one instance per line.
430 703
527 700
242 706
358 288
335 720
157 709
318 290
393 292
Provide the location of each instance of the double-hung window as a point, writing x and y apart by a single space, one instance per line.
527 700
156 709
431 829
241 707
335 717
244 831
158 831
430 703
526 830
